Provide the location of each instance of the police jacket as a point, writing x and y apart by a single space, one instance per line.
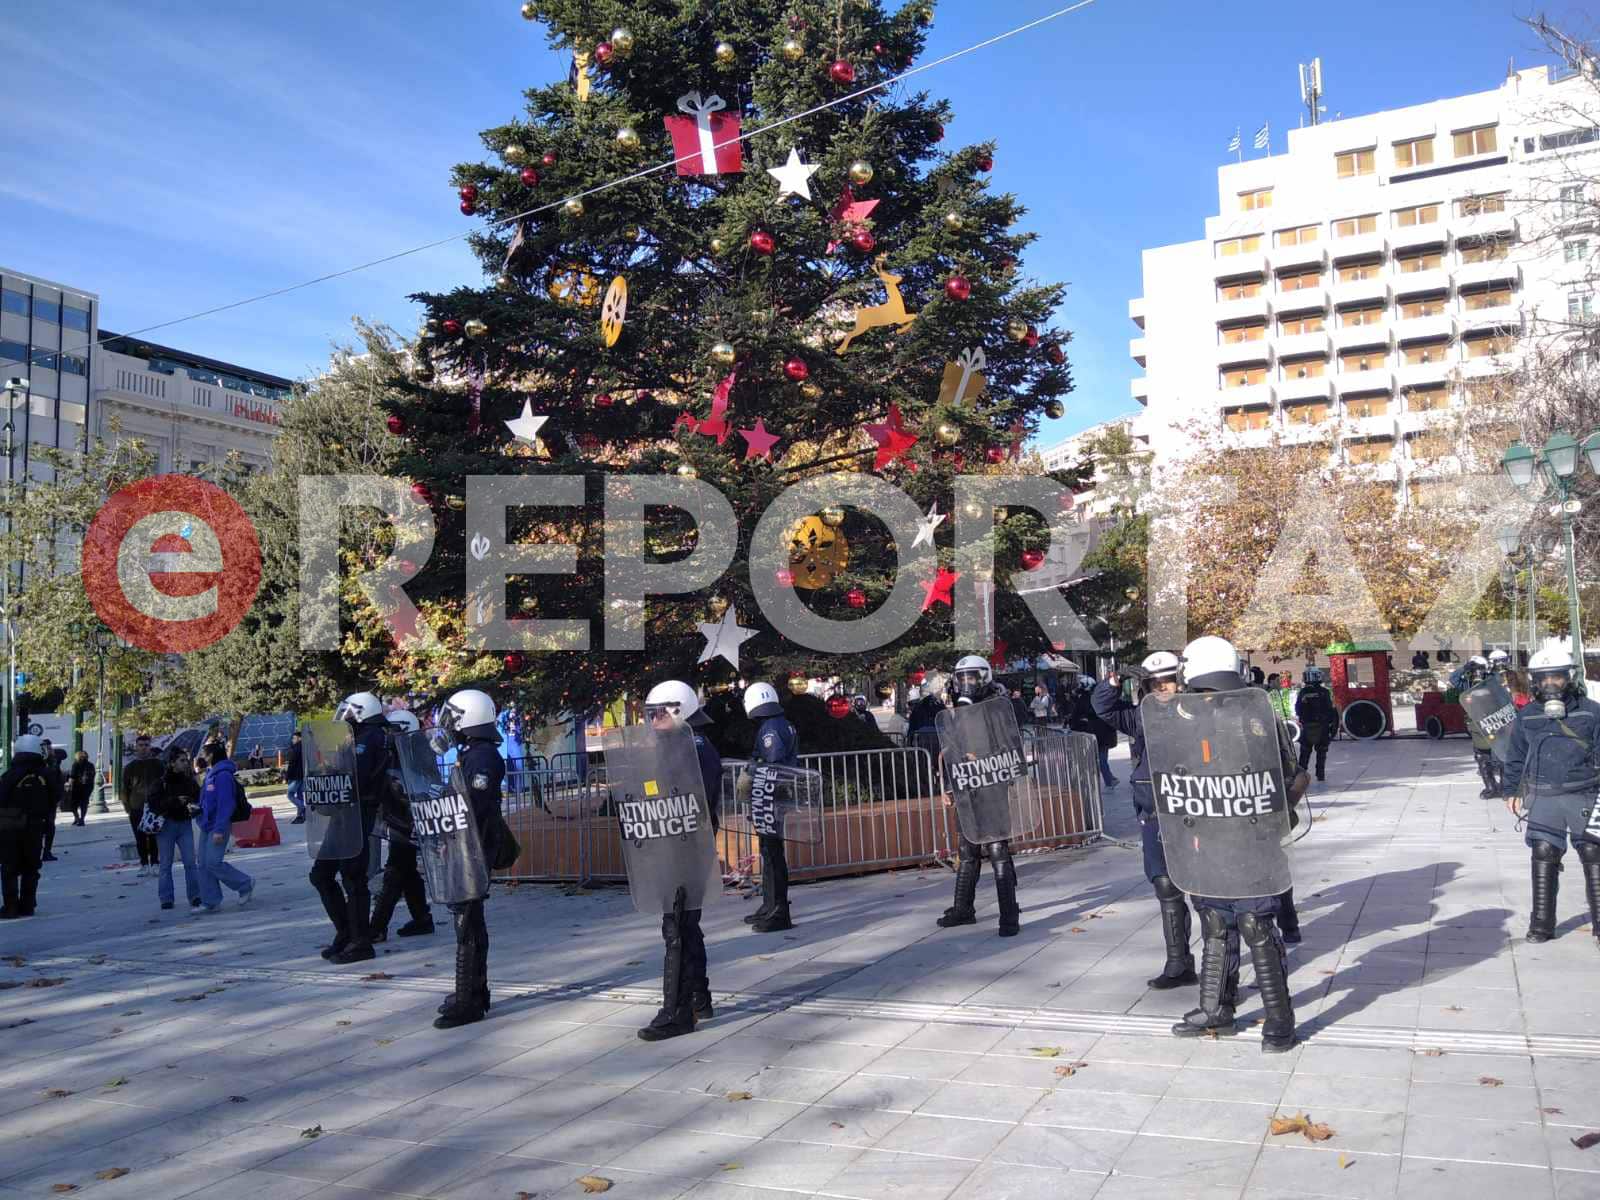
776 742
38 801
1315 706
483 771
373 759
1122 716
710 776
1576 770
142 781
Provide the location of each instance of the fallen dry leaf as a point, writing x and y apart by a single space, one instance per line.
63 1187
526 1195
238 1099
376 976
730 1166
132 1012
738 1096
1063 1072
314 1132
1302 1124
835 1124
594 1183
111 1173
1346 1162
1077 929
1490 1081
1282 1125
1045 1051
57 1093
1315 1131
1455 1008
1431 1052
384 1041
1587 1140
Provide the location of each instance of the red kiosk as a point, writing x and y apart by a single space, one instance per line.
1360 674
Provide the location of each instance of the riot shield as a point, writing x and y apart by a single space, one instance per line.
660 800
1221 801
443 828
1490 715
986 770
333 811
782 800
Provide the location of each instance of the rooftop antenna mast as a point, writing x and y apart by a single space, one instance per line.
1311 89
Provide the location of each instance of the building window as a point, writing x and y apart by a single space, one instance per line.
47 310
1240 419
1366 314
75 318
1304 368
1351 226
1257 198
1484 347
1376 450
1580 306
1307 414
1299 236
1352 163
1235 335
1240 377
1361 360
13 354
1488 392
1473 206
1412 263
74 364
1571 202
1432 444
1427 399
1415 152
1310 323
14 302
1239 291
1229 247
1476 141
1421 214
1574 250
1357 271
1422 353
1367 406
1495 297
42 357
1299 281
1428 306
1486 250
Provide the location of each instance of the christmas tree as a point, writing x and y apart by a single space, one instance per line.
745 255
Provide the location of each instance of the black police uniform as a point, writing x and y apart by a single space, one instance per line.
779 744
1560 759
1318 717
483 771
1176 927
969 866
1464 679
348 907
400 875
25 809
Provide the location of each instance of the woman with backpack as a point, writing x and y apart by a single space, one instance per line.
221 799
174 828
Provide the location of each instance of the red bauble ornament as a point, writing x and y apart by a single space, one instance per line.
958 287
842 71
603 53
878 49
421 492
762 243
995 454
784 576
549 158
1031 559
855 598
530 177
796 369
451 326
985 164
863 241
396 424
938 133
917 676
838 707
604 400
958 460
645 397
1056 355
514 661
1032 340
468 208
469 192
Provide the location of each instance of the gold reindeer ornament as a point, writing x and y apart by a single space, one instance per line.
893 312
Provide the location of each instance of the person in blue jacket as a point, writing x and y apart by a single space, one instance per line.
218 794
779 744
685 985
1161 678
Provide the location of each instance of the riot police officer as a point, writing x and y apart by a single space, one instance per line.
1552 777
29 796
779 744
469 718
1318 717
1211 664
970 683
348 906
686 988
1161 671
400 875
1464 678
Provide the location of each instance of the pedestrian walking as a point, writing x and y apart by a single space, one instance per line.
176 809
26 802
142 779
221 796
1086 720
294 774
57 782
82 786
1318 717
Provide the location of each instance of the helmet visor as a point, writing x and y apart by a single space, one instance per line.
670 709
1551 685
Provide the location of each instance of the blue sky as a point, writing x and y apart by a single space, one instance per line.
173 155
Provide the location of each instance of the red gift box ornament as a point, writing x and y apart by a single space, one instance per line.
706 140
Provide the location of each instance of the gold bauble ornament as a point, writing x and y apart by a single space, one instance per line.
475 328
431 325
954 222
723 354
515 153
725 54
1055 409
947 434
833 516
687 471
506 283
622 41
719 245
1017 328
811 390
573 208
798 685
793 49
924 15
530 11
632 233
861 172
628 139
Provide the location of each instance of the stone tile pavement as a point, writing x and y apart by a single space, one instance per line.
882 1057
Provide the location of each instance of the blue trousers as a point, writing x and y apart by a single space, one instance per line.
177 836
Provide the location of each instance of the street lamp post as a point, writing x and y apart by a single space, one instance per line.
1510 539
103 640
8 703
1557 462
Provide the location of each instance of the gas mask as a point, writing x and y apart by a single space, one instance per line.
1556 710
1552 686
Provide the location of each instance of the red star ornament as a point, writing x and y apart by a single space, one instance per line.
758 442
716 425
686 421
892 437
850 212
939 588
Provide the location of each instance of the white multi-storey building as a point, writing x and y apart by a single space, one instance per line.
1373 279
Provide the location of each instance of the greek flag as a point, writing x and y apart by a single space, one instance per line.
1263 137
1233 146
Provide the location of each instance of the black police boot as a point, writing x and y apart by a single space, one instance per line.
769 888
1289 919
463 1007
778 919
1175 929
358 947
1589 856
968 868
1005 888
1491 785
1219 968
332 897
383 906
412 928
1546 883
1272 981
694 958
676 1017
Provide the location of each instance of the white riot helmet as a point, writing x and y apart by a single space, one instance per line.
972 676
1479 661
27 743
467 709
404 720
1499 659
1313 675
358 707
1552 671
1162 664
761 700
678 699
1211 664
